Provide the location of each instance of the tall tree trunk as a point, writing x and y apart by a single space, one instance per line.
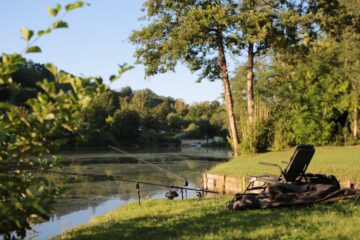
227 93
250 83
356 104
356 124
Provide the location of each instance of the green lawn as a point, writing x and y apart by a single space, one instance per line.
207 219
343 162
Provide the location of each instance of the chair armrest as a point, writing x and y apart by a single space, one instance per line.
273 165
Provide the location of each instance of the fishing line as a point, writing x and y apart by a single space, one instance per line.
143 160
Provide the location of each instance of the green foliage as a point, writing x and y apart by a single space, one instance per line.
77 4
256 137
184 31
60 24
123 68
193 131
33 49
31 130
54 11
97 116
125 127
312 96
26 33
144 119
31 135
310 92
175 121
209 117
56 24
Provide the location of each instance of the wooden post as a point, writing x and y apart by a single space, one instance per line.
224 185
205 181
138 191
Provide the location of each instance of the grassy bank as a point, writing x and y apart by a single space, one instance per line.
207 219
343 162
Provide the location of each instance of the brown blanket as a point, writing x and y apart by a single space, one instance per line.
282 194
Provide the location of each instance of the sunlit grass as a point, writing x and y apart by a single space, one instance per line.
343 162
208 219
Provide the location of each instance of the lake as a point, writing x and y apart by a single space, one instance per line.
85 199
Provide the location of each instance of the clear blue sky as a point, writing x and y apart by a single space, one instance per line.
95 43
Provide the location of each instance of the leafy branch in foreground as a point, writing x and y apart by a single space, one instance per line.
31 133
29 36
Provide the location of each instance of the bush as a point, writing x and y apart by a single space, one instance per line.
256 137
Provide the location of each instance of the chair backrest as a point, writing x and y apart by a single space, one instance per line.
299 162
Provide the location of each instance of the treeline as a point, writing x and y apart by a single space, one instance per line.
142 118
126 117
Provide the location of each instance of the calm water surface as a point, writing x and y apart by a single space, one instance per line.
85 199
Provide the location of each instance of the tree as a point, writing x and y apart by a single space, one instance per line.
309 99
175 121
126 92
283 26
348 49
180 107
26 78
95 116
125 127
195 32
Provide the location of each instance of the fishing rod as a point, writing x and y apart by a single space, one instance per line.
186 183
101 177
171 194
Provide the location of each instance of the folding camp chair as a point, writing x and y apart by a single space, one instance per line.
293 174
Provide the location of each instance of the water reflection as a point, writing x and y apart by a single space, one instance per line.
59 224
85 199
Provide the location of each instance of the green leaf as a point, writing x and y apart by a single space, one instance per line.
60 24
113 78
33 49
58 7
123 68
26 33
52 12
51 68
85 101
49 116
43 32
73 6
109 120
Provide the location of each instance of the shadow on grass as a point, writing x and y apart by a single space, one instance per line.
218 223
